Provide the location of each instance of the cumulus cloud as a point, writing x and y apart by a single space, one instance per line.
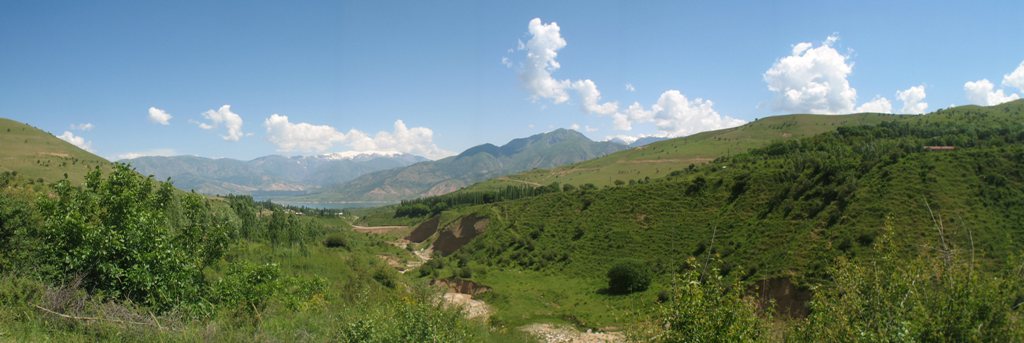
159 116
913 99
305 137
137 154
223 116
877 105
983 92
677 115
288 136
542 51
82 127
812 80
591 98
78 141
673 114
1015 78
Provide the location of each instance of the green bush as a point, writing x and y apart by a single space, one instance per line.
247 287
336 240
707 307
115 234
628 277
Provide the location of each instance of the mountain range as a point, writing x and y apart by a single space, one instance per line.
546 150
273 173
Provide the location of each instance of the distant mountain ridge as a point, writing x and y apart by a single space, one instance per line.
273 173
545 150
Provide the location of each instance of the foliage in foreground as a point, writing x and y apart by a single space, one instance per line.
704 306
941 296
126 258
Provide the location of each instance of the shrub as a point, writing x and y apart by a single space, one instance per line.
628 277
115 234
709 307
932 298
385 277
336 240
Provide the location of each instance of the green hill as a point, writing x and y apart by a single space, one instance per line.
479 163
36 154
661 158
782 212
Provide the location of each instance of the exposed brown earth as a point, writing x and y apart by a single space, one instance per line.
461 286
424 230
473 309
460 233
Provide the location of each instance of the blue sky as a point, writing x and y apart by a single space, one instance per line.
339 73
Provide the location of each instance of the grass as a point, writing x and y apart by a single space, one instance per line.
41 156
353 296
524 297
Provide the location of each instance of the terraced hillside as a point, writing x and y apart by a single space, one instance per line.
782 212
38 154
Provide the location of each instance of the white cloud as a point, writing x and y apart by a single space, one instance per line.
223 117
137 154
628 139
913 100
76 140
542 49
588 128
506 62
591 98
159 116
630 88
982 92
82 127
812 80
1015 78
305 137
416 140
674 114
877 105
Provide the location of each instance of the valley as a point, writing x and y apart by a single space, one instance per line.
511 172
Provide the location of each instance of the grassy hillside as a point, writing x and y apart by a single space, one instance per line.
785 211
36 154
661 158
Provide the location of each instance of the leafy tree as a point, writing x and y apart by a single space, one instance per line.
114 234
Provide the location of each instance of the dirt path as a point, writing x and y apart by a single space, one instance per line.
551 333
503 178
478 309
422 256
378 229
474 309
